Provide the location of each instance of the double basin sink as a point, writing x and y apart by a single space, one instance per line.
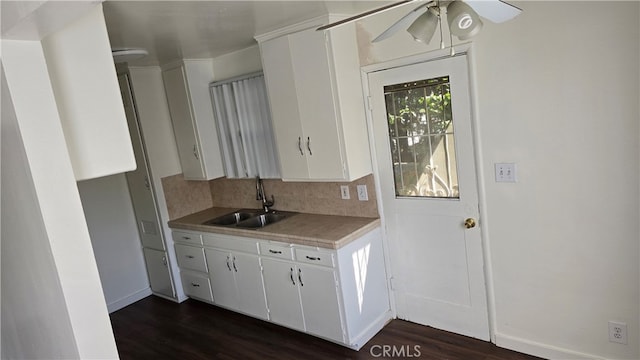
249 218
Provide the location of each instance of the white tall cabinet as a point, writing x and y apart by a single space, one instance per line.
187 87
315 92
141 189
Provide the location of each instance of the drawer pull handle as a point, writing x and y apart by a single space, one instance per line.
234 264
312 258
189 256
300 145
275 251
195 285
292 279
186 238
228 266
300 277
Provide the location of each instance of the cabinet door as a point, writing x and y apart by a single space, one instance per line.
158 271
282 91
318 112
139 180
183 123
223 284
320 304
248 274
281 288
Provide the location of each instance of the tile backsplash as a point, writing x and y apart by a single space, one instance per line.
186 197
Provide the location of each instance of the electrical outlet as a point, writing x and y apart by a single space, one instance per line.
617 332
505 172
344 192
362 193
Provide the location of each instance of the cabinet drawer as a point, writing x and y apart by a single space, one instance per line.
196 285
187 237
191 257
276 250
314 257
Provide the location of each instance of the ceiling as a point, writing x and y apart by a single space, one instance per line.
172 30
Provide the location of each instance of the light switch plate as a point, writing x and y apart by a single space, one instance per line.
505 172
344 192
362 193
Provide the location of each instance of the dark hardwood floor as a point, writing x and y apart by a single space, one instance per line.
154 328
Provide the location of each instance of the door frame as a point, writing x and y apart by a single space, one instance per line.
481 178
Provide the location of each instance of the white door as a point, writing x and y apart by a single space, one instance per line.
283 298
421 120
182 119
320 304
158 271
315 100
281 88
139 180
251 298
223 285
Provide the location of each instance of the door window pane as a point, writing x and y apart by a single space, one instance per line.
420 124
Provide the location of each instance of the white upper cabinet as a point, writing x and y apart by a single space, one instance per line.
187 89
315 92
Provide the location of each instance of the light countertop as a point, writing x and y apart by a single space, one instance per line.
325 231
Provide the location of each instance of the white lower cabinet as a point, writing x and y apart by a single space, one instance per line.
196 285
158 270
320 302
283 295
304 297
191 258
193 265
338 295
236 281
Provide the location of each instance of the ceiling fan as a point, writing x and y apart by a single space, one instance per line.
463 18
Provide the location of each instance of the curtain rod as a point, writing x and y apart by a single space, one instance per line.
237 78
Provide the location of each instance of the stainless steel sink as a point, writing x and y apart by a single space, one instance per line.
249 218
233 218
262 220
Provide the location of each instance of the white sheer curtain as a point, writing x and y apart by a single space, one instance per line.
244 126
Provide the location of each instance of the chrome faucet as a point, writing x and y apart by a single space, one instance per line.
266 204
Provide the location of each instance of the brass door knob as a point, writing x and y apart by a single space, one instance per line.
470 223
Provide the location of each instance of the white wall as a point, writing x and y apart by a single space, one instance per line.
241 62
59 202
115 239
557 92
35 321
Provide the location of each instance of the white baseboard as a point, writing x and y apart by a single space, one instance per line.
542 350
128 300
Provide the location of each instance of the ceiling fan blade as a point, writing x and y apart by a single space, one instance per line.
365 14
496 11
403 23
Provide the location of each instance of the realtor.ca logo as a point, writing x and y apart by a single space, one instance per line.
395 351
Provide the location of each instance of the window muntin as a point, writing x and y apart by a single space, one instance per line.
421 136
